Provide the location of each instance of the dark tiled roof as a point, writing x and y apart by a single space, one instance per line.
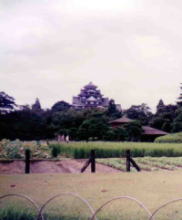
121 120
152 131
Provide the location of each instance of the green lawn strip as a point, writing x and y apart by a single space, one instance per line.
118 149
145 163
152 188
80 150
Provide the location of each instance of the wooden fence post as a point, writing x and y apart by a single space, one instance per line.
27 161
128 160
92 159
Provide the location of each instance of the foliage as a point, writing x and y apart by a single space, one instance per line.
25 125
116 134
163 119
60 106
139 112
36 107
16 149
112 110
55 150
7 103
134 131
177 124
160 106
170 138
179 102
11 149
94 128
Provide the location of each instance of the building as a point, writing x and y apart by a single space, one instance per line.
90 97
148 134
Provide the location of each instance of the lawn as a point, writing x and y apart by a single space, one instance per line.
145 163
152 188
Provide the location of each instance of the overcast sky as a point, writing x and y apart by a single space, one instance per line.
131 49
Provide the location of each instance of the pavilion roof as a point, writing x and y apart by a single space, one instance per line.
121 120
147 130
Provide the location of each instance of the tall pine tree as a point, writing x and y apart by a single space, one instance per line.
179 102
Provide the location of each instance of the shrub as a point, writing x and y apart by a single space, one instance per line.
56 150
170 138
13 149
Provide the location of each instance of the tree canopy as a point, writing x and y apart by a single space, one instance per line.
7 103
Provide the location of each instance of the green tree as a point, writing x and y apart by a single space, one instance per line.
163 119
7 103
179 102
94 128
60 106
139 112
134 130
36 107
112 110
177 124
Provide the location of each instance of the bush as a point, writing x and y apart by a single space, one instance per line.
56 150
11 149
170 138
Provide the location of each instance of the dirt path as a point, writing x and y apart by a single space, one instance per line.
64 166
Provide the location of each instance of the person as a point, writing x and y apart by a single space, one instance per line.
67 139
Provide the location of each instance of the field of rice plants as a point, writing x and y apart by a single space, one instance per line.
145 163
80 150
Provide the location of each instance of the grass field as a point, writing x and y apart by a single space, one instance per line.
145 163
118 149
152 188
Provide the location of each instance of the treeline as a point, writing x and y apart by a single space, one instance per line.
35 123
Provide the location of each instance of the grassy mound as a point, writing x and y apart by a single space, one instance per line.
170 138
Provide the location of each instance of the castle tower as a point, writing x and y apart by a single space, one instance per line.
89 97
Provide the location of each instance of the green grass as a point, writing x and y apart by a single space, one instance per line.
80 150
145 163
118 149
14 213
152 188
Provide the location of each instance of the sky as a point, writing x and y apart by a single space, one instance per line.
130 49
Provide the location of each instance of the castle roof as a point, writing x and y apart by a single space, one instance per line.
91 98
90 85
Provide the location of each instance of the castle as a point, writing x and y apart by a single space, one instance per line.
90 97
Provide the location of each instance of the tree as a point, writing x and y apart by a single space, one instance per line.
36 107
112 110
60 106
94 128
179 102
134 130
177 124
160 107
163 119
139 112
7 103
